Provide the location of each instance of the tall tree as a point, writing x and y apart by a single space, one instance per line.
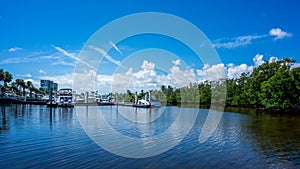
21 85
30 87
7 78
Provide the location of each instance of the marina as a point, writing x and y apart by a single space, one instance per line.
149 84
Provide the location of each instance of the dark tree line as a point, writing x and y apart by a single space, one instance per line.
18 87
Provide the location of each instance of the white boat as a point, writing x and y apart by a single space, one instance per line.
65 98
146 103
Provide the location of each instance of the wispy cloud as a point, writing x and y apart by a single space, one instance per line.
64 63
27 75
42 72
15 49
240 41
14 60
32 57
279 34
72 56
246 40
105 55
115 47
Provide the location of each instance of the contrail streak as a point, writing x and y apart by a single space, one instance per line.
72 56
115 47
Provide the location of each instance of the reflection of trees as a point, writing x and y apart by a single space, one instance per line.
3 125
277 137
16 110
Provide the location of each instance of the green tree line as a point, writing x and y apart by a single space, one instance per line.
274 84
18 87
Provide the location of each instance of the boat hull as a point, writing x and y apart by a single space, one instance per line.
105 104
65 105
51 105
141 105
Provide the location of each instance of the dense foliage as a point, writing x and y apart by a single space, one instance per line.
274 84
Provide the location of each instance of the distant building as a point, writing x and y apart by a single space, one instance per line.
55 86
46 85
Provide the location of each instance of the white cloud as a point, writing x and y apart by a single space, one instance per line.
42 72
15 49
273 59
115 47
212 73
28 75
215 72
104 83
147 78
35 83
176 62
148 65
182 77
296 65
144 79
258 59
279 34
84 81
236 71
63 81
121 81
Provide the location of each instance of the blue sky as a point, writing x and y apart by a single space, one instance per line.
38 39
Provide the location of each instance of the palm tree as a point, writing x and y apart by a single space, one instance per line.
21 85
1 79
7 78
1 74
30 87
14 88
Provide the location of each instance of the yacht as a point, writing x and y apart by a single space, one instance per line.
65 98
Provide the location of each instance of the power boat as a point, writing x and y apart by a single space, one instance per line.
142 103
145 103
65 98
105 101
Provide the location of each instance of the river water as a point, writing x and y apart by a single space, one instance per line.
33 136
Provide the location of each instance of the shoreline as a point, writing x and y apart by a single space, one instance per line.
289 110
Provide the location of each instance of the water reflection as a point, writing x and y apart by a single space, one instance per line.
37 136
139 115
275 136
137 132
3 125
23 115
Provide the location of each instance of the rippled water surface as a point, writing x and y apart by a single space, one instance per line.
37 136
